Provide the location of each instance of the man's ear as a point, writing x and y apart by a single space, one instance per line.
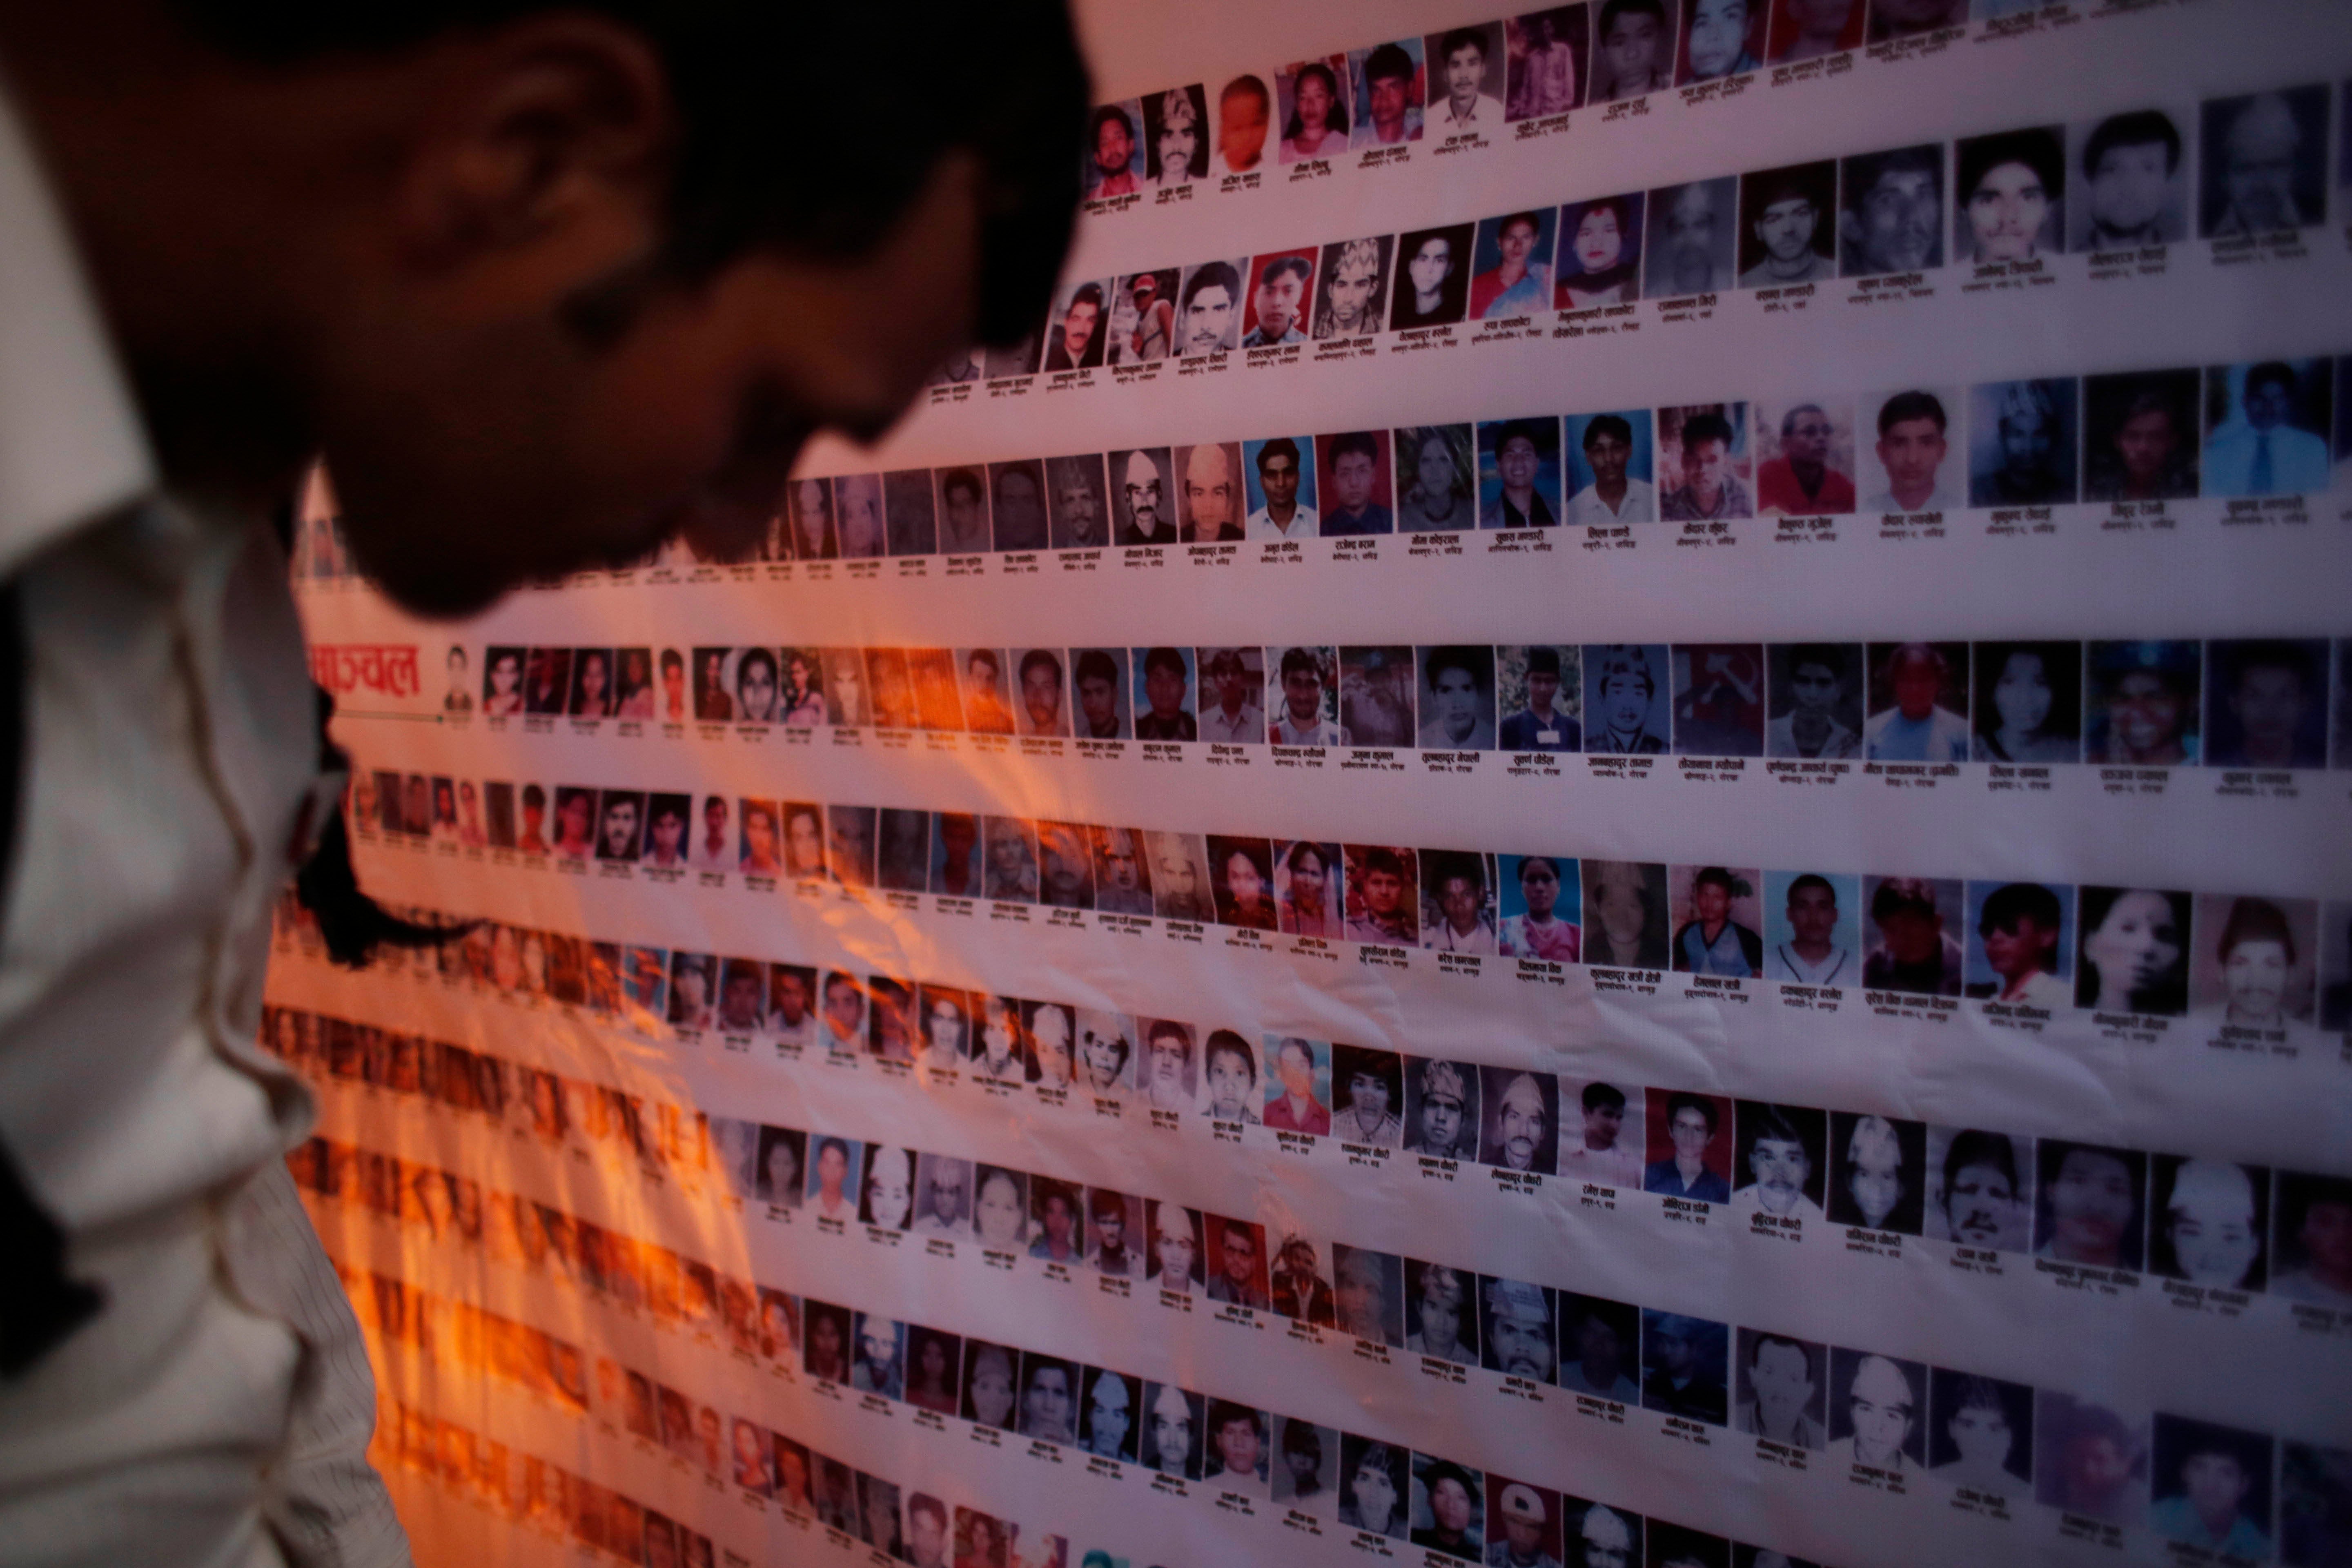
549 142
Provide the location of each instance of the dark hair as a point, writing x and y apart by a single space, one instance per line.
1614 9
1829 655
1907 405
2013 902
1384 861
1772 1122
1540 433
1474 662
1307 846
1543 661
1388 63
2140 127
1280 447
2269 653
1028 469
1756 1351
1813 880
1972 1147
1246 86
1473 37
753 656
1599 1096
2256 920
1095 665
1684 1100
1876 167
1616 425
1275 269
2169 993
1159 658
1211 275
1224 1042
1336 123
1707 427
1104 116
1300 1438
2037 149
1361 441
964 480
1041 656
1715 876
1085 294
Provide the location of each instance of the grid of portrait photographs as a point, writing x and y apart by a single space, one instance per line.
2210 1222
2243 705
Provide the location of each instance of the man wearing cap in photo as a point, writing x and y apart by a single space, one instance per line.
1527 1521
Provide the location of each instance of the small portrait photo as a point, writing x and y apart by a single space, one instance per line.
1297 1096
2265 164
1121 880
942 1185
1143 496
833 1184
1175 1240
1018 489
2139 436
1911 465
845 1012
1278 487
1721 38
1305 1467
1625 913
1448 1509
1168 1072
999 1208
1351 291
1519 473
776 1173
1113 163
1628 706
1109 1403
1598 1145
1165 694
2009 195
800 698
1209 493
1717 920
2314 1246
891 688
1611 469
547 678
963 511
743 995
1142 319
2211 1487
955 855
1176 137
1891 19
1520 1129
1376 696
1690 1146
1511 272
1078 502
2134 173
905 839
1913 947
805 532
1541 691
1693 230
2315 1504
1208 307
838 682
1919 703
1456 696
1517 1329
1281 290
859 513
1172 1430
1367 1294
1009 845
1098 686
1436 479
1384 899
1229 1077
591 683
1361 499
1245 116
2089 1460
1457 902
1388 84
1466 81
1979 1188
1980 1433
1719 691
879 1364
575 816
1303 695
2267 703
2210 1222
804 839
910 509
1600 254
2091 1205
1777 1160
1058 1235
2141 702
1633 50
981 676
1780 1389
849 844
2255 964
1106 1052
1312 103
1683 1363
1308 876
2021 438
1374 1481
1065 877
1878 1411
1812 928
1367 1087
989 1383
2020 944
502 688
2134 957
1788 222
1892 214
1237 1263
2266 427
1815 700
829 1346
1441 1109
1814 29
1178 872
1548 53
1240 872
1433 283
1606 1535
1704 460
2030 708
1440 1312
620 820
1878 1176
892 1025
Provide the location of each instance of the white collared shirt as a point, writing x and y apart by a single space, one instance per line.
169 771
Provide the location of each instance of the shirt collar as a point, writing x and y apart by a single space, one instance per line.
72 448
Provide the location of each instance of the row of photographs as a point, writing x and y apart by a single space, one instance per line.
2249 967
2206 1222
1861 1409
2262 703
1468 84
2280 429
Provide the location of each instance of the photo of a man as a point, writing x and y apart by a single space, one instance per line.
1281 286
1245 114
1788 231
2265 428
1611 469
1892 219
1703 458
1548 51
1143 496
2265 164
1540 690
1208 307
2133 189
1693 234
1278 481
1907 469
1355 465
1467 76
